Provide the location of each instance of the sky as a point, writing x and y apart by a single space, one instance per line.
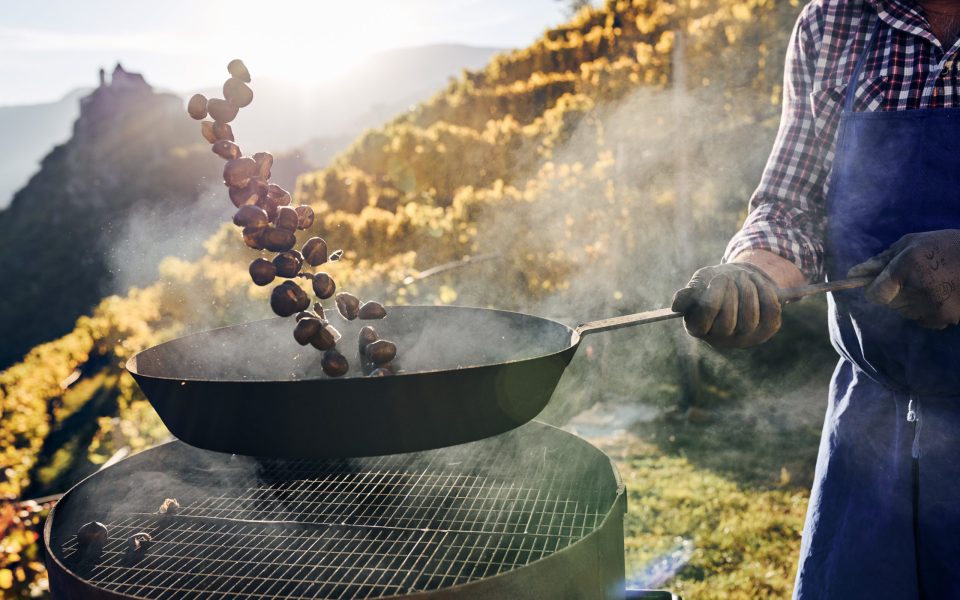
50 47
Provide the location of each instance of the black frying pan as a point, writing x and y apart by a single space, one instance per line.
465 374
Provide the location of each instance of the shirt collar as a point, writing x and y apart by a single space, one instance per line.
904 15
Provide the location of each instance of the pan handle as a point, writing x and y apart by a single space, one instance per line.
652 316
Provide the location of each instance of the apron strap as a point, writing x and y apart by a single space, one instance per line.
855 78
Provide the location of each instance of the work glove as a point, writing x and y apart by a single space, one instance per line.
918 277
733 305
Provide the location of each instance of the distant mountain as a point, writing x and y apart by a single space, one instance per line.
29 132
381 85
133 156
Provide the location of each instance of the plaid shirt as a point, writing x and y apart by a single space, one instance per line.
907 69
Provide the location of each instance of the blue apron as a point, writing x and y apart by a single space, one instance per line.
884 513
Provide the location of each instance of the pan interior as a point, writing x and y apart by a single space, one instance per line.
345 528
428 338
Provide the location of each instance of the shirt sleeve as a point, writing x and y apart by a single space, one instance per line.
787 210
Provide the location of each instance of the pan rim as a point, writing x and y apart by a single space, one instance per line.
131 363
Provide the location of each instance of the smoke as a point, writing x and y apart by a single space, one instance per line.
147 235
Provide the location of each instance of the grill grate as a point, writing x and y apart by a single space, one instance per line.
358 528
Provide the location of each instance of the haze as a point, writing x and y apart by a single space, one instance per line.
48 49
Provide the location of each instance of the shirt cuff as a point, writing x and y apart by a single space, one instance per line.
786 243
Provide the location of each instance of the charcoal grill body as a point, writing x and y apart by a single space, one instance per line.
533 513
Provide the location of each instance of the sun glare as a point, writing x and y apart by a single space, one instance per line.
307 43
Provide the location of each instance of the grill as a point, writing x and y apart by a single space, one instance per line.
528 514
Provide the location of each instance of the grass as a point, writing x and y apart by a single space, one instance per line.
735 488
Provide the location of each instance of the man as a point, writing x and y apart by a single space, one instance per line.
864 180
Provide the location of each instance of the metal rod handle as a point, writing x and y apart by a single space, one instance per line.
652 316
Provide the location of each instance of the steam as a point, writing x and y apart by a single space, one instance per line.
146 236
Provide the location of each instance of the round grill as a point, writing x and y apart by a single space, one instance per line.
346 528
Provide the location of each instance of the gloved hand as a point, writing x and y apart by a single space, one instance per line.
919 277
733 305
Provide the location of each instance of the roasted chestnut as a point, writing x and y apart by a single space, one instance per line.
264 163
380 352
323 285
226 149
287 299
308 314
334 364
170 507
288 263
348 305
325 338
237 92
305 217
221 110
222 131
139 541
207 131
237 172
248 194
315 251
278 240
262 271
318 308
197 106
250 215
307 328
92 535
372 310
367 336
277 193
239 70
287 218
253 237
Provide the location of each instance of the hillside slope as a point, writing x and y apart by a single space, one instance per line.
130 151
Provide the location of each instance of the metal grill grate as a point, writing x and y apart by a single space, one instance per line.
358 528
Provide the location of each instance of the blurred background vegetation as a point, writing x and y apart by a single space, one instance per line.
592 172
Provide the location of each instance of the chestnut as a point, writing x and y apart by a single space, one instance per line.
226 149
334 364
288 263
262 271
323 285
305 217
139 541
348 305
197 107
170 507
207 131
307 328
264 162
325 339
315 251
253 237
372 310
237 172
221 110
367 336
248 194
380 352
222 131
277 193
237 92
287 218
287 299
239 70
92 535
278 240
249 215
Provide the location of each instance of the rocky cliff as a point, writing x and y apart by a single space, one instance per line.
131 152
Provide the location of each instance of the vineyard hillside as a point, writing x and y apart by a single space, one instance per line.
581 177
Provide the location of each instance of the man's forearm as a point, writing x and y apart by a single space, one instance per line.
782 271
